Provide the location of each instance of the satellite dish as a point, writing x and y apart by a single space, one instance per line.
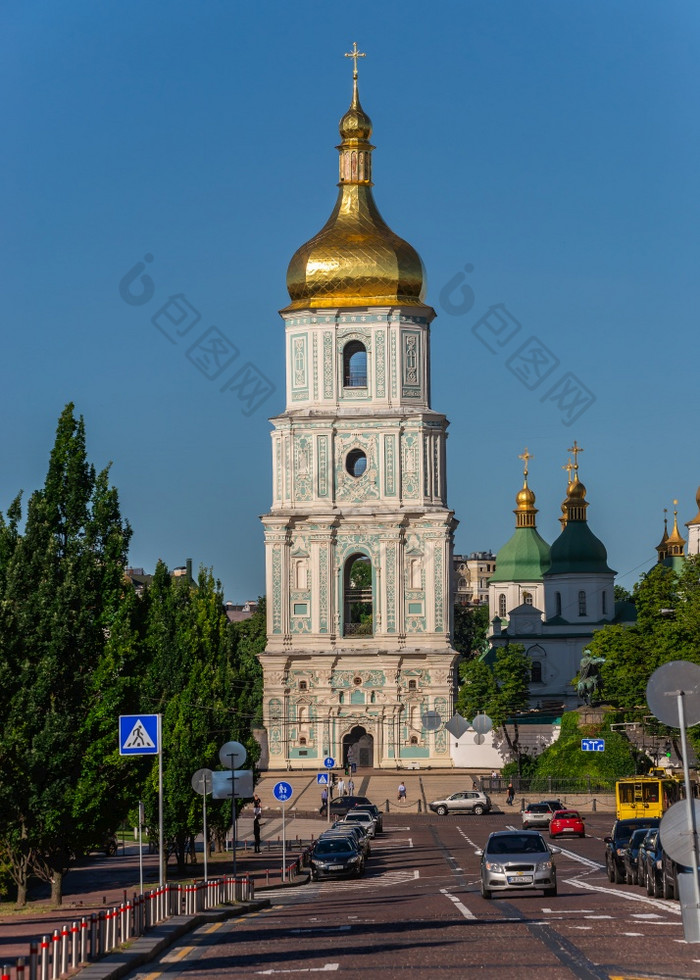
676 836
202 781
431 721
479 739
232 755
482 724
664 686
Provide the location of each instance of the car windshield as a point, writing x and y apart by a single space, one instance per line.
354 817
333 845
516 844
566 815
538 808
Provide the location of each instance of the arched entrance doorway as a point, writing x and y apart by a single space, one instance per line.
358 747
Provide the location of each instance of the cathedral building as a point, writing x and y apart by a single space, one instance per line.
552 598
359 536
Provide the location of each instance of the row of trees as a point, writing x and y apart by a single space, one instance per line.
78 647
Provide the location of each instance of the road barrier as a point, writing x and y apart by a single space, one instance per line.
92 937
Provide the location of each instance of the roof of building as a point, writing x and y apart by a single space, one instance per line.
524 558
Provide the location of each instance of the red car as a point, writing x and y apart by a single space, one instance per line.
567 822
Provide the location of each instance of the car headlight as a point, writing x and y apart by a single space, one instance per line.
658 864
544 866
621 851
494 866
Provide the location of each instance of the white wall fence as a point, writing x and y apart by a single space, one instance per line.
90 938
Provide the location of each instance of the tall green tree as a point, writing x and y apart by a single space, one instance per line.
191 682
62 588
500 690
471 625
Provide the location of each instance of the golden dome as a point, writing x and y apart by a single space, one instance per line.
525 498
355 259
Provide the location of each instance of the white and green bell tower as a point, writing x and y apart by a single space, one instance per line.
359 535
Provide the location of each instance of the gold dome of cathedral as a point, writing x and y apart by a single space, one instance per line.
355 259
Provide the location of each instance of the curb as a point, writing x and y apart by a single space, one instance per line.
161 937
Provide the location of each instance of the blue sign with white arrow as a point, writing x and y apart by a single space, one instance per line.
593 744
329 762
139 734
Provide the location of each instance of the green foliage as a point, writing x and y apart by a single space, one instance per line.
470 628
564 759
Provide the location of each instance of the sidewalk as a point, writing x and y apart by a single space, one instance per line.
103 882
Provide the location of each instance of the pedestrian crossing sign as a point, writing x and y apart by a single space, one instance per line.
139 734
322 778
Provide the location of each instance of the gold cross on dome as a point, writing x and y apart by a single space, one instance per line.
575 449
569 467
355 54
526 457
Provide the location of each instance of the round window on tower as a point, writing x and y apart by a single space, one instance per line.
356 462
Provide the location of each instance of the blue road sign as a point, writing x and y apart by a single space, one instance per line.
138 734
322 778
283 792
593 744
329 762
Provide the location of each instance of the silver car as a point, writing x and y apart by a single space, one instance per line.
537 815
468 801
516 861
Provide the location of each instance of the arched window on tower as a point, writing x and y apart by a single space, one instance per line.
355 365
557 603
604 601
357 619
536 672
502 606
582 603
527 598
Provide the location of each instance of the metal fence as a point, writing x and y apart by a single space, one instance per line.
92 937
549 785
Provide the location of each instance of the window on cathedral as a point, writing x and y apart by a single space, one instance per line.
414 740
536 672
604 601
582 603
357 606
302 685
412 685
527 598
557 604
356 462
341 698
502 606
302 741
355 365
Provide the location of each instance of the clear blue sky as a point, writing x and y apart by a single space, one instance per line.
554 147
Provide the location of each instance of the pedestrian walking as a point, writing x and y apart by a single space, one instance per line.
257 814
341 787
511 793
324 801
351 787
402 792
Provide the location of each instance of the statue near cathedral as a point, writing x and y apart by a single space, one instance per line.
589 679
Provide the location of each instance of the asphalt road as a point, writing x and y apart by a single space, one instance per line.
418 912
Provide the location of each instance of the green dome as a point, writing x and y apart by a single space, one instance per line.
524 558
578 550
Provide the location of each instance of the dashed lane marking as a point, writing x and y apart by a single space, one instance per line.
458 905
630 896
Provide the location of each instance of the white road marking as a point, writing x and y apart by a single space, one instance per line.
632 933
328 968
568 911
458 905
655 903
302 932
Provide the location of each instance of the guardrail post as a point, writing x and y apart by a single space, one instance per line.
93 936
594 806
44 957
6 971
19 968
33 960
55 954
65 933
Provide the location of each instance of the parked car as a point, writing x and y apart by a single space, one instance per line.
650 853
467 801
333 857
354 834
631 855
670 870
376 813
361 818
341 805
536 815
616 843
569 822
517 860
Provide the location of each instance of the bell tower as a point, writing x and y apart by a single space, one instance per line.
359 535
